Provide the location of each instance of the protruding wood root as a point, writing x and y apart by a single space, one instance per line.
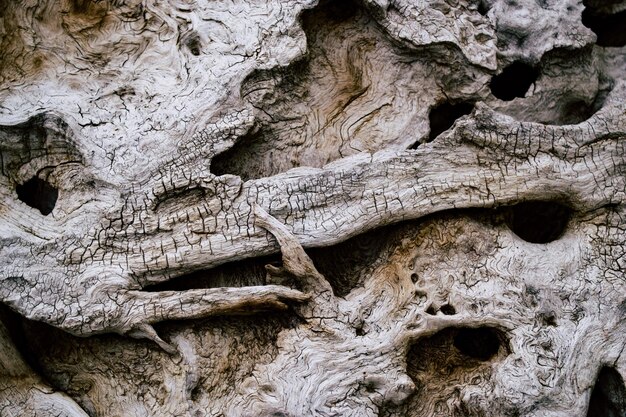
146 331
148 308
295 260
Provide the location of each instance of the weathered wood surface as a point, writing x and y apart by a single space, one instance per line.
153 155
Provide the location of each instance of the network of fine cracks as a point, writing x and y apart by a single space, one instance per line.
468 158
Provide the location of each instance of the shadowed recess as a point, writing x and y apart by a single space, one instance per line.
451 358
482 343
282 92
610 28
443 116
14 326
39 194
456 348
448 309
538 221
608 398
245 273
345 265
238 160
578 111
514 81
483 7
74 365
43 136
193 43
574 104
321 107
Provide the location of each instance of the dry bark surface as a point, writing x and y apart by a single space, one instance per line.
312 208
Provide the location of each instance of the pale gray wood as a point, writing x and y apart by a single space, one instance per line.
188 139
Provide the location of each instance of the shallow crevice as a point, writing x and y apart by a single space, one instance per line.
514 81
608 398
39 194
538 221
448 309
610 28
244 273
193 43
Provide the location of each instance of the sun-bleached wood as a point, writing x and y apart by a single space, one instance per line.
157 157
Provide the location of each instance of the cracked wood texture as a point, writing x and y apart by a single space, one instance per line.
312 208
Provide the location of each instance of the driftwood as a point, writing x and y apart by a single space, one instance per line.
444 182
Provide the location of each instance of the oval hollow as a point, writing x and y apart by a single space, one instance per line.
538 221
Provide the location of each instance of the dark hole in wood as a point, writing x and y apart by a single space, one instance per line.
482 343
548 318
514 81
436 365
448 310
483 7
610 28
538 221
431 310
442 117
39 194
194 44
238 159
608 398
338 11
